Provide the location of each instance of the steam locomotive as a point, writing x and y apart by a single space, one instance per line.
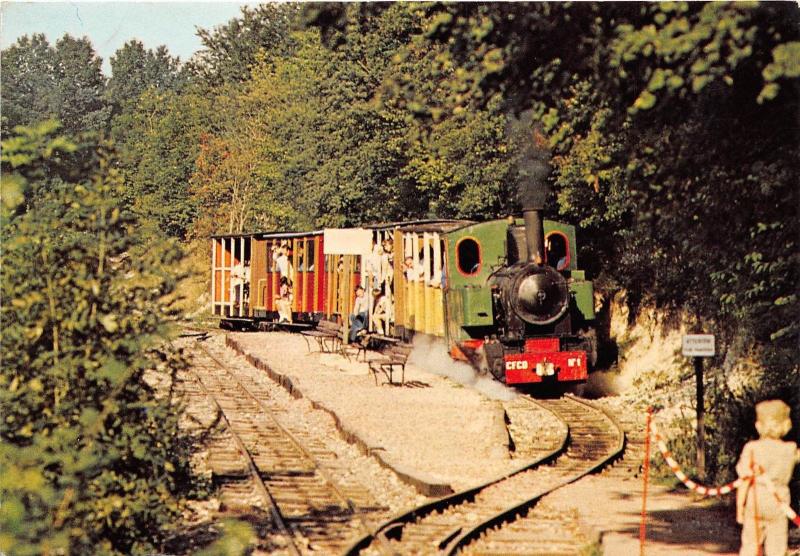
505 295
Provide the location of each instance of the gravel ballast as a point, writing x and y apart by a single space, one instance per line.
433 429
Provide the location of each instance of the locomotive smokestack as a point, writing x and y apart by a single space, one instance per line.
533 167
534 235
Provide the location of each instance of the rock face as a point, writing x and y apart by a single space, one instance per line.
649 349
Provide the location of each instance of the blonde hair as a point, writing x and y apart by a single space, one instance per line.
772 419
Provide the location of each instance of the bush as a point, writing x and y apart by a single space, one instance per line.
89 457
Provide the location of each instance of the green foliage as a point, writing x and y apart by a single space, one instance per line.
231 50
90 460
785 64
135 70
317 138
28 82
158 140
62 82
237 538
157 135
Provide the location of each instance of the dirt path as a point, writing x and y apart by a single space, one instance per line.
677 522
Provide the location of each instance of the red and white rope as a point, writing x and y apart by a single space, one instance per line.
787 509
716 491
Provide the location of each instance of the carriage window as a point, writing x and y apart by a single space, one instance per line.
557 248
271 247
468 256
310 251
308 247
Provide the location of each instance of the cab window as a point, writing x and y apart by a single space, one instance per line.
468 256
557 251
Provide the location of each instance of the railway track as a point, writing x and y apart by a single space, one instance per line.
500 517
259 463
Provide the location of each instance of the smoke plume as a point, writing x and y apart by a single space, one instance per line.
432 356
533 160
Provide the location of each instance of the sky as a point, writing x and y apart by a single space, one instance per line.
111 24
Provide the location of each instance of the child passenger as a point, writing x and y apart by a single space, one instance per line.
283 302
772 461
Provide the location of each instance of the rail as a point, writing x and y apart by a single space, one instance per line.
303 497
451 523
254 475
615 450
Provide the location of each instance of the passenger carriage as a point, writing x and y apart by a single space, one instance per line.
245 277
468 283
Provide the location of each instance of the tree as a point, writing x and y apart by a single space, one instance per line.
135 69
28 82
63 82
90 458
80 86
313 139
231 50
158 140
227 183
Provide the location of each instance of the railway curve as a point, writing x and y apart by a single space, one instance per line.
486 519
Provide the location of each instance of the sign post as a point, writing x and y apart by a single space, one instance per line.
699 346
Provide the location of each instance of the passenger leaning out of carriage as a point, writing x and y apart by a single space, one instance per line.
373 264
387 263
358 317
283 302
280 255
413 271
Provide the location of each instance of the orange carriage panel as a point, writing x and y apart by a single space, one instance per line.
228 254
258 273
217 253
308 291
217 286
271 277
270 291
226 285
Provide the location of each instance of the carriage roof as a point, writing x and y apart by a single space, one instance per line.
429 225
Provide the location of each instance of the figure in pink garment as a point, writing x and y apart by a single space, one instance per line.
772 461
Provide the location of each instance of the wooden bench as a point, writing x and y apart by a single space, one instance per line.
372 341
328 334
394 358
286 326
